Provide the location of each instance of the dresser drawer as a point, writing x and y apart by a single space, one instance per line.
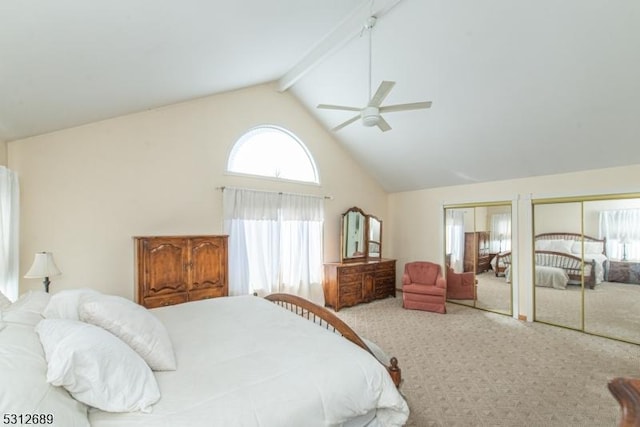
350 277
212 292
161 301
354 269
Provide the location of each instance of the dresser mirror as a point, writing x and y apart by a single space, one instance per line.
478 255
361 236
375 236
600 292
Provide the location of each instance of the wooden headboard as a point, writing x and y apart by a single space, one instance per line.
571 236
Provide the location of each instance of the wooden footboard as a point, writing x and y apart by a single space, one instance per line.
627 393
324 318
503 260
572 264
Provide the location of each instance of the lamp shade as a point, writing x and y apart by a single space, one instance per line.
43 266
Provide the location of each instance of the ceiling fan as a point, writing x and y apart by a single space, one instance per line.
370 114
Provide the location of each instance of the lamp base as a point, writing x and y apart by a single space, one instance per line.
46 282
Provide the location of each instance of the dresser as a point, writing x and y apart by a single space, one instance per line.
176 269
351 283
476 251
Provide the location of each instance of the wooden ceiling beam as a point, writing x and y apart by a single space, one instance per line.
348 29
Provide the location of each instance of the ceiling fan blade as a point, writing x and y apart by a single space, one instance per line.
382 92
383 125
404 107
348 122
337 107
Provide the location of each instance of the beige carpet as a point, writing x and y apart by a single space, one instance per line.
475 368
610 309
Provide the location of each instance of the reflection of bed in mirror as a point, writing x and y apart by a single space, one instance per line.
559 262
500 262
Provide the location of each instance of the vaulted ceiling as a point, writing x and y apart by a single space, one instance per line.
518 88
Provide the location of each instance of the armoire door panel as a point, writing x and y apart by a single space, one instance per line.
208 263
165 266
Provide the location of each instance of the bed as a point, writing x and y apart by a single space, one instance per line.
242 361
558 258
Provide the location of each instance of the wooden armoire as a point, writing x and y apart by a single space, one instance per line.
476 251
176 269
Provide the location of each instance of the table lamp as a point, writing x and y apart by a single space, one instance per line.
43 267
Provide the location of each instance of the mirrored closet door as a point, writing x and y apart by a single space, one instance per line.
587 265
478 256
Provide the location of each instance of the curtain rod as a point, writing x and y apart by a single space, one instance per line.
277 192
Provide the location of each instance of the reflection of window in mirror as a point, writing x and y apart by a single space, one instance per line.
500 229
454 238
375 236
619 225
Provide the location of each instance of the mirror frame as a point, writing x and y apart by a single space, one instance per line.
473 209
344 242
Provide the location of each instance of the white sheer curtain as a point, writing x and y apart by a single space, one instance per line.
621 228
275 243
455 239
500 232
9 228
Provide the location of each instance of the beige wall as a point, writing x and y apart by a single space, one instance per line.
415 228
86 191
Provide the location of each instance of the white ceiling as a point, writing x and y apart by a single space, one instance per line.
518 88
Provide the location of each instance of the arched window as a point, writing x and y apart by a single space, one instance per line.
272 152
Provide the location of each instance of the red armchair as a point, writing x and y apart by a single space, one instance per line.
460 285
423 287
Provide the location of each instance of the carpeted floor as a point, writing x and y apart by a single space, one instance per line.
475 368
610 309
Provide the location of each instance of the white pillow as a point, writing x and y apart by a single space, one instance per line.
576 248
589 248
64 304
563 246
4 301
33 301
593 247
134 325
96 367
24 388
543 245
27 310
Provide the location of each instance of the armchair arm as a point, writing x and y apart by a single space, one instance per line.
406 280
441 282
453 279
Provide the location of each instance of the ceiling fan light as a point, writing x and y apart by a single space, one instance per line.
370 116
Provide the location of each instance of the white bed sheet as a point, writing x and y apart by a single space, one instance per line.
243 361
551 277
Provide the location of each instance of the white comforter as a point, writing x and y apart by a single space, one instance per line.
243 361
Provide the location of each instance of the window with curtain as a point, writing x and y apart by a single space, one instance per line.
621 229
455 239
9 227
500 239
275 243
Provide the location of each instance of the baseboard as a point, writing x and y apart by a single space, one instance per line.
522 317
